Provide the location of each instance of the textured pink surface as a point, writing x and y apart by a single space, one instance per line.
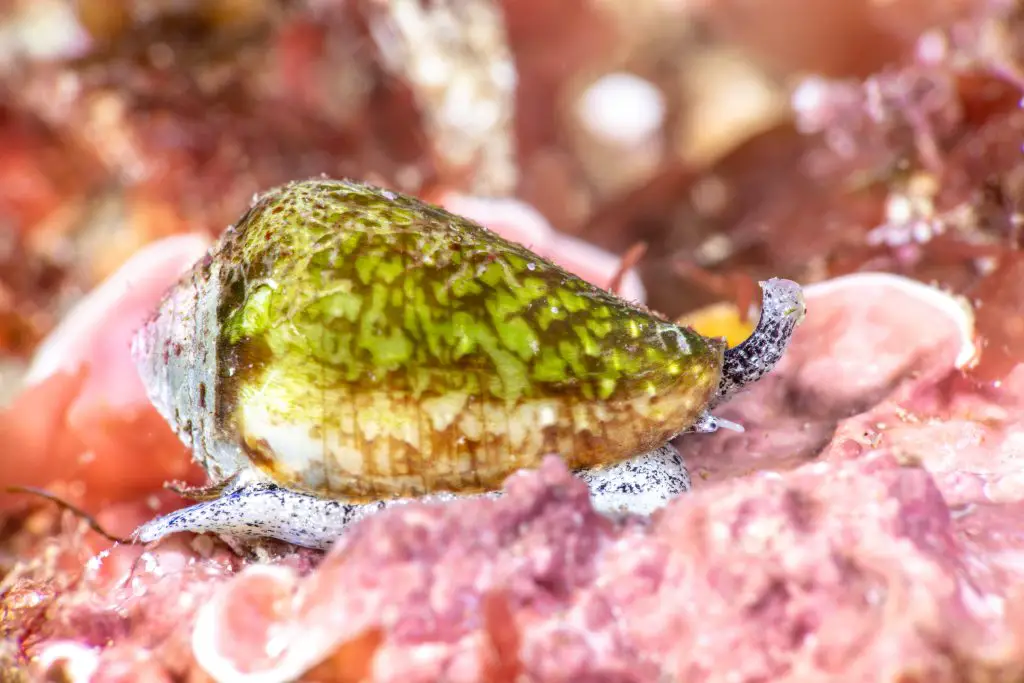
854 571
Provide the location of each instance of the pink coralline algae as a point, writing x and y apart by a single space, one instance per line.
852 571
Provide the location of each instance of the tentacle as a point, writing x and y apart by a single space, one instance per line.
709 424
782 310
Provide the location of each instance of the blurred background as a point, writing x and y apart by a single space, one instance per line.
736 139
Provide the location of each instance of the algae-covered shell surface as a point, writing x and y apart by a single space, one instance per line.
356 342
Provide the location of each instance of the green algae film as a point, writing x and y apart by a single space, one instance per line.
375 345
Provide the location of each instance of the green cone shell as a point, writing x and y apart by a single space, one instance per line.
363 344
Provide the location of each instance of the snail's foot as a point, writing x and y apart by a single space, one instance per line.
639 485
249 510
263 510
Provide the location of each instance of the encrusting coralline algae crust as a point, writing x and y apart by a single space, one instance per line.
421 352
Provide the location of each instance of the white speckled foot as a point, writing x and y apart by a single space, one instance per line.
639 485
262 510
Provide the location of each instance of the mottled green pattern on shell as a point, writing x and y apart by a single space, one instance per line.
337 289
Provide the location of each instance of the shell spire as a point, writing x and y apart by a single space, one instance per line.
175 354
